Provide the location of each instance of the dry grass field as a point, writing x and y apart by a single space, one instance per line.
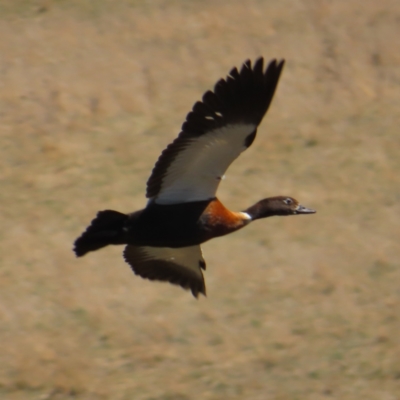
297 308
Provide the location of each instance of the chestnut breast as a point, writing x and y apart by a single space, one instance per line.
217 220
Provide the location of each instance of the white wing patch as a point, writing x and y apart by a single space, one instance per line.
196 172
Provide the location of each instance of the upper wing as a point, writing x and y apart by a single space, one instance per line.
180 266
215 132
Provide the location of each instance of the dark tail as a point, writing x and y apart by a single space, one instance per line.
105 229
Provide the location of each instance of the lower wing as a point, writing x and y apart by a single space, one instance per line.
179 266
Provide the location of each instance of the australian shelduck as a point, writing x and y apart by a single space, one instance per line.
162 241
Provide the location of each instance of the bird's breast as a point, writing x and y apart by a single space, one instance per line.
217 220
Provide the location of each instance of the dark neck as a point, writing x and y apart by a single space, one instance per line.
265 208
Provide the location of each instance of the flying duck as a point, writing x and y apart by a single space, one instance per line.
163 239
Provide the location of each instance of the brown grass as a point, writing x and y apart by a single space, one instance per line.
297 308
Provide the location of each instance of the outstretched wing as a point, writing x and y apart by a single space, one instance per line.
180 266
215 132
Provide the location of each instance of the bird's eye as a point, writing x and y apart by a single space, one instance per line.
288 201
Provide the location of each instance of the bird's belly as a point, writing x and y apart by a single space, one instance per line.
182 225
167 226
166 235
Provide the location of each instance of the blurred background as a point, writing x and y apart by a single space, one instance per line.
297 308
